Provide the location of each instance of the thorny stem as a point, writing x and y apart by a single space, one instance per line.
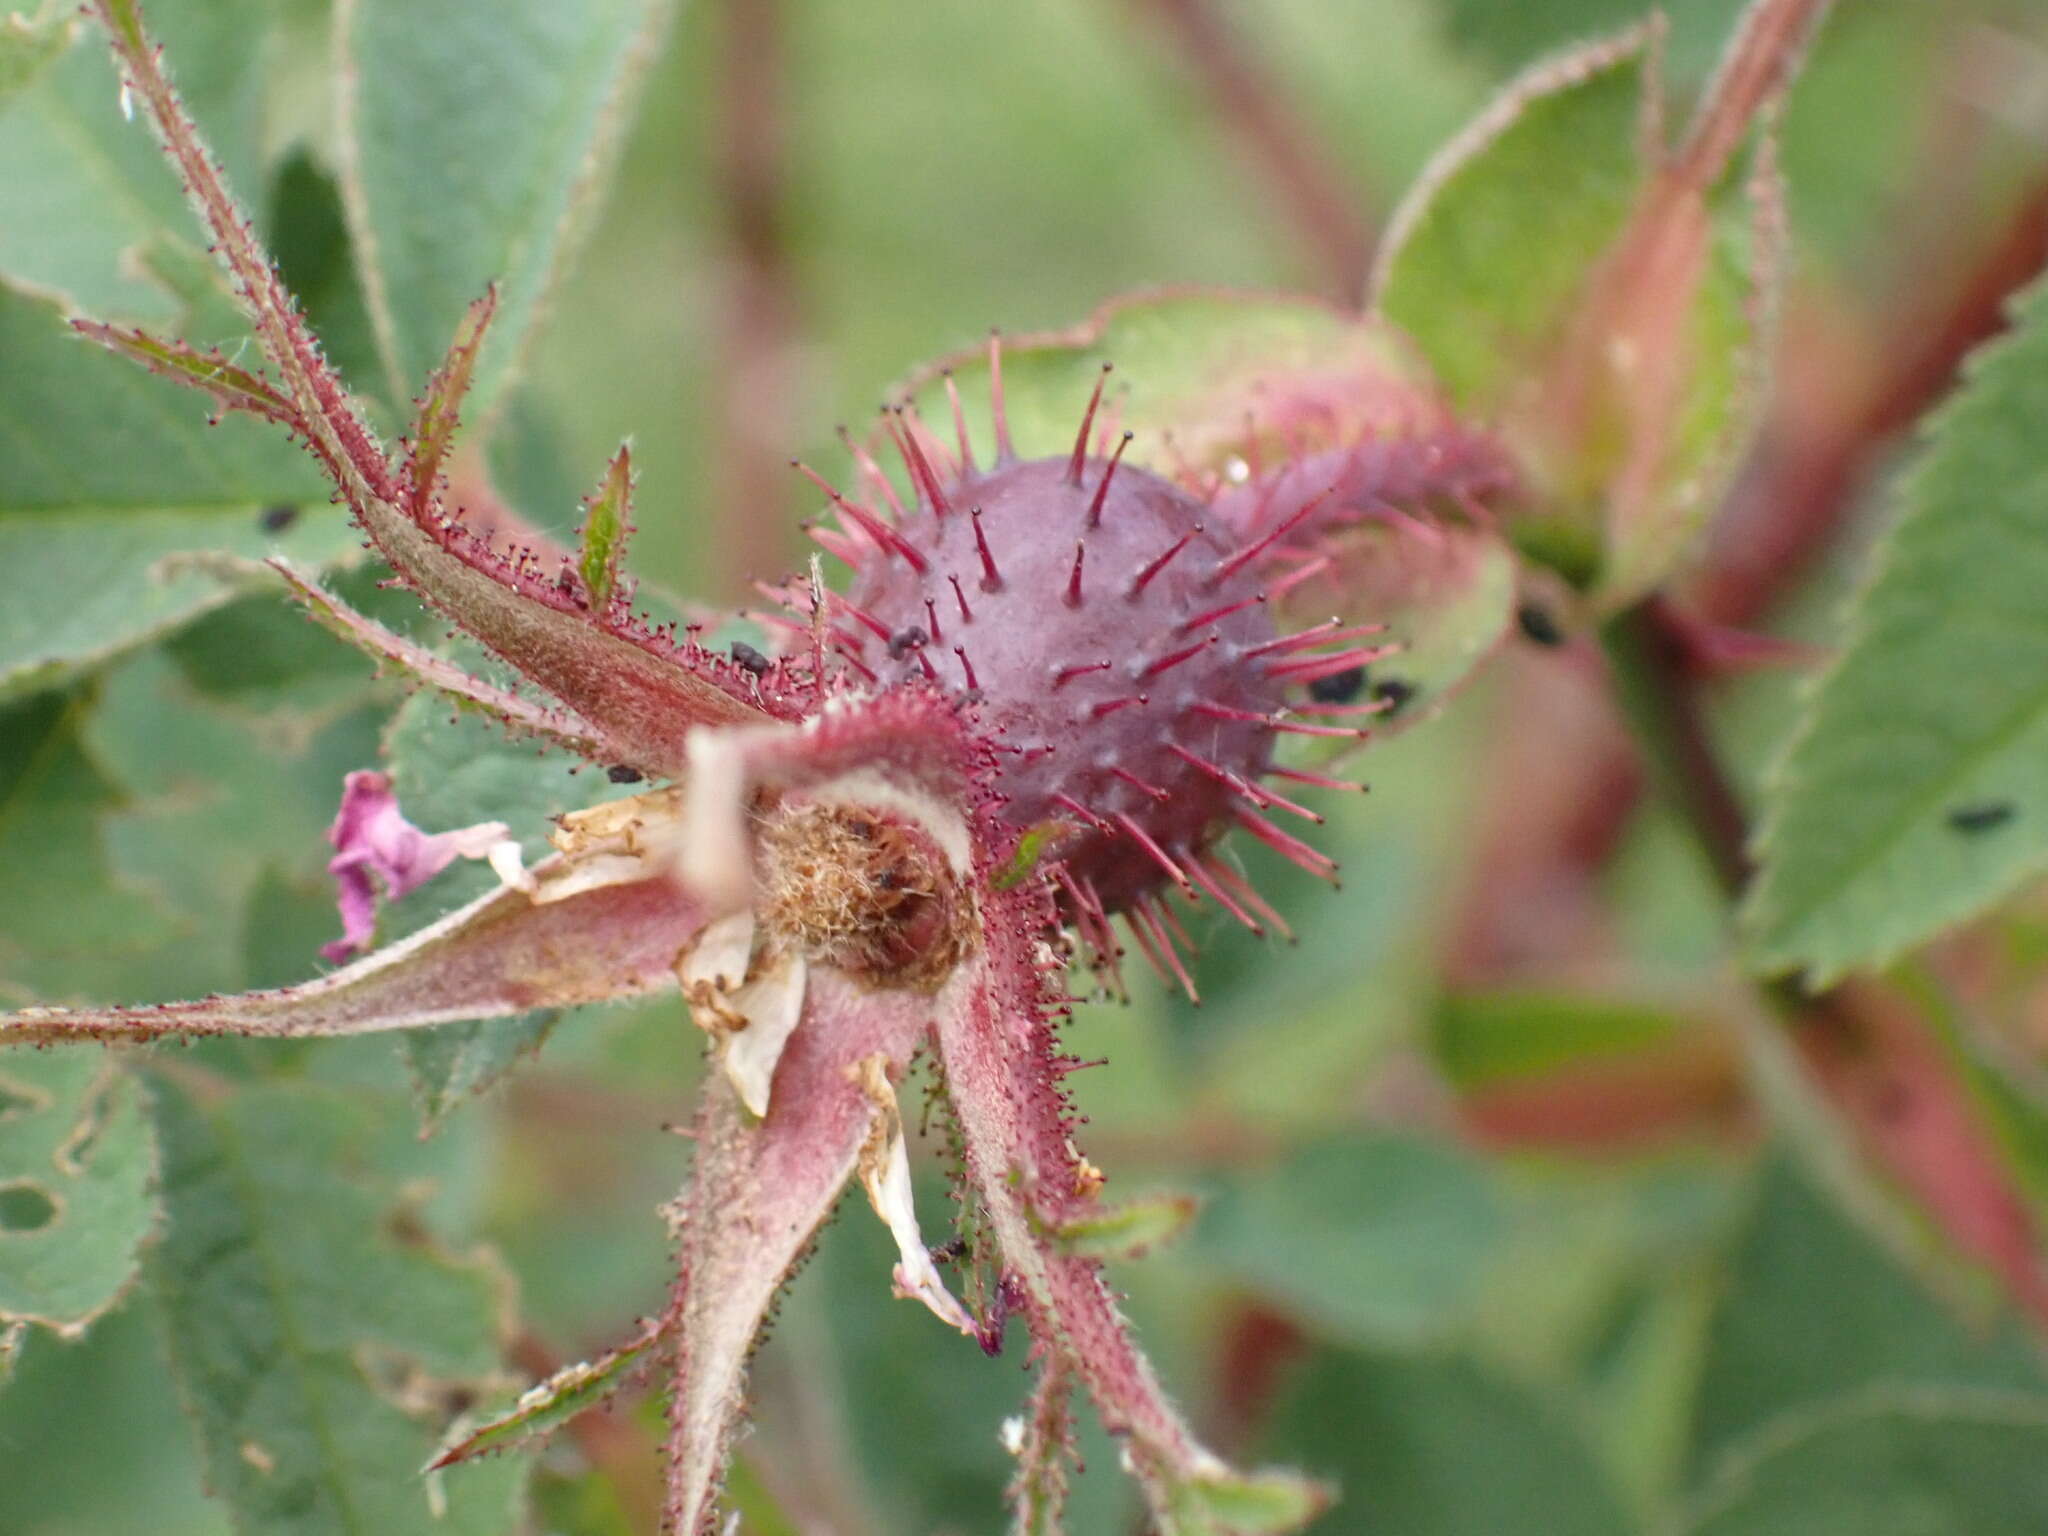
1869 1055
1307 184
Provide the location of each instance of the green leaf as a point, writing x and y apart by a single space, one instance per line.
1815 1312
926 1442
122 514
1914 792
64 916
1247 1504
1489 1037
1380 1240
475 149
29 45
1899 1462
69 1467
77 1196
1610 320
1190 366
451 773
602 544
86 187
1491 249
1434 1446
320 1341
222 801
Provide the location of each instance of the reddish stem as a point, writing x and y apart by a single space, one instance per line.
757 346
1803 486
1307 185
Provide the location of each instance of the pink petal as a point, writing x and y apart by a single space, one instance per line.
372 836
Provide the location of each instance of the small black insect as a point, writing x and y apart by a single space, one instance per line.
907 640
1395 692
277 519
1338 687
749 658
1538 625
620 773
1981 817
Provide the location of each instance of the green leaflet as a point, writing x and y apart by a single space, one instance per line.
1814 1312
85 186
1895 1462
1129 1228
605 525
77 1195
321 1343
1431 1445
65 917
548 1405
226 810
122 514
1489 252
474 150
1247 1504
1491 1037
1914 791
1376 1239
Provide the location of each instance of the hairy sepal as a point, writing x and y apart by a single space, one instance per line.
508 952
234 388
547 1405
757 1195
642 690
607 519
999 1054
419 665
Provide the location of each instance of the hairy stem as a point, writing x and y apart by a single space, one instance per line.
1306 184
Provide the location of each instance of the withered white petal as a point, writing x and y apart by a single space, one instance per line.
771 1004
885 1175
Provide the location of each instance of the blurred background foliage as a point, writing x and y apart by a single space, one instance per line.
1494 1231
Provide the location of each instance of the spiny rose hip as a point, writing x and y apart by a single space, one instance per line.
1116 641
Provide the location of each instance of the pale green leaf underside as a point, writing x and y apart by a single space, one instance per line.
1915 789
77 1196
316 1344
1491 250
474 152
107 477
86 186
1491 259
